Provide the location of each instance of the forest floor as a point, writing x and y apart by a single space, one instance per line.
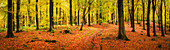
94 37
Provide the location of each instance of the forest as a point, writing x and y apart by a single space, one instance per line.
84 24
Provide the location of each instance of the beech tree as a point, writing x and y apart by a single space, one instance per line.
121 34
9 31
148 19
154 8
17 15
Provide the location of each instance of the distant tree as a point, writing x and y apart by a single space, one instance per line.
89 14
169 21
143 4
100 15
154 8
23 22
133 30
148 19
78 13
137 11
112 14
28 9
71 12
75 22
97 17
9 31
129 11
121 34
37 24
165 15
83 19
56 12
161 20
84 14
17 15
51 15
13 9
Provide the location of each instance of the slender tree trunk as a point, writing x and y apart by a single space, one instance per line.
9 31
97 21
40 15
121 34
60 14
92 18
51 15
78 16
23 22
161 20
148 19
137 15
63 18
28 8
89 14
154 8
100 20
143 14
56 13
13 16
17 15
129 14
71 12
37 24
75 22
78 13
169 20
112 17
133 30
165 15
116 19
83 19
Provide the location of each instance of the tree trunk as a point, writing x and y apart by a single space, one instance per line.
13 17
30 21
56 14
148 19
17 15
9 31
165 16
75 22
78 16
129 14
23 22
51 15
100 20
112 17
169 20
161 20
137 15
133 30
71 12
37 20
154 8
89 14
97 17
78 13
121 34
143 14
83 19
